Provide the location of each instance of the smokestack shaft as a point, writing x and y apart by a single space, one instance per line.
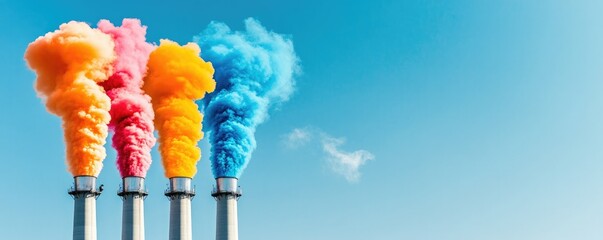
226 219
226 195
133 194
180 194
180 219
84 213
133 218
84 219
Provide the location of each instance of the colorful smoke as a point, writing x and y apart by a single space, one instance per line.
69 63
254 71
176 77
131 110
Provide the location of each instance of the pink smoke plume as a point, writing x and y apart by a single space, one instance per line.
131 111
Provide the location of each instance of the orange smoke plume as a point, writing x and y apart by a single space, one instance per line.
176 77
69 63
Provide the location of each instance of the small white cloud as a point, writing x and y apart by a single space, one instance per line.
344 163
297 138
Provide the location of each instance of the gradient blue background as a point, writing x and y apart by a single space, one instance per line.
485 117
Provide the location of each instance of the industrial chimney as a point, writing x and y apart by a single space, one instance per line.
180 194
84 194
227 194
133 194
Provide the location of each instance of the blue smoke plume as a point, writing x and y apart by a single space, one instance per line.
254 70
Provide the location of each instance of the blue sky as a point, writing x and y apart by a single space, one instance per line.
484 119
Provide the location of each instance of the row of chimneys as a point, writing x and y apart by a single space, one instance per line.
133 193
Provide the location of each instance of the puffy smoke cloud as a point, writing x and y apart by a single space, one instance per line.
177 76
255 71
69 63
131 111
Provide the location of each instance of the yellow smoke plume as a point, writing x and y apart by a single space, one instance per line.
176 77
69 63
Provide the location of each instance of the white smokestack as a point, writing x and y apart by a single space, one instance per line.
227 194
133 194
84 194
180 194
